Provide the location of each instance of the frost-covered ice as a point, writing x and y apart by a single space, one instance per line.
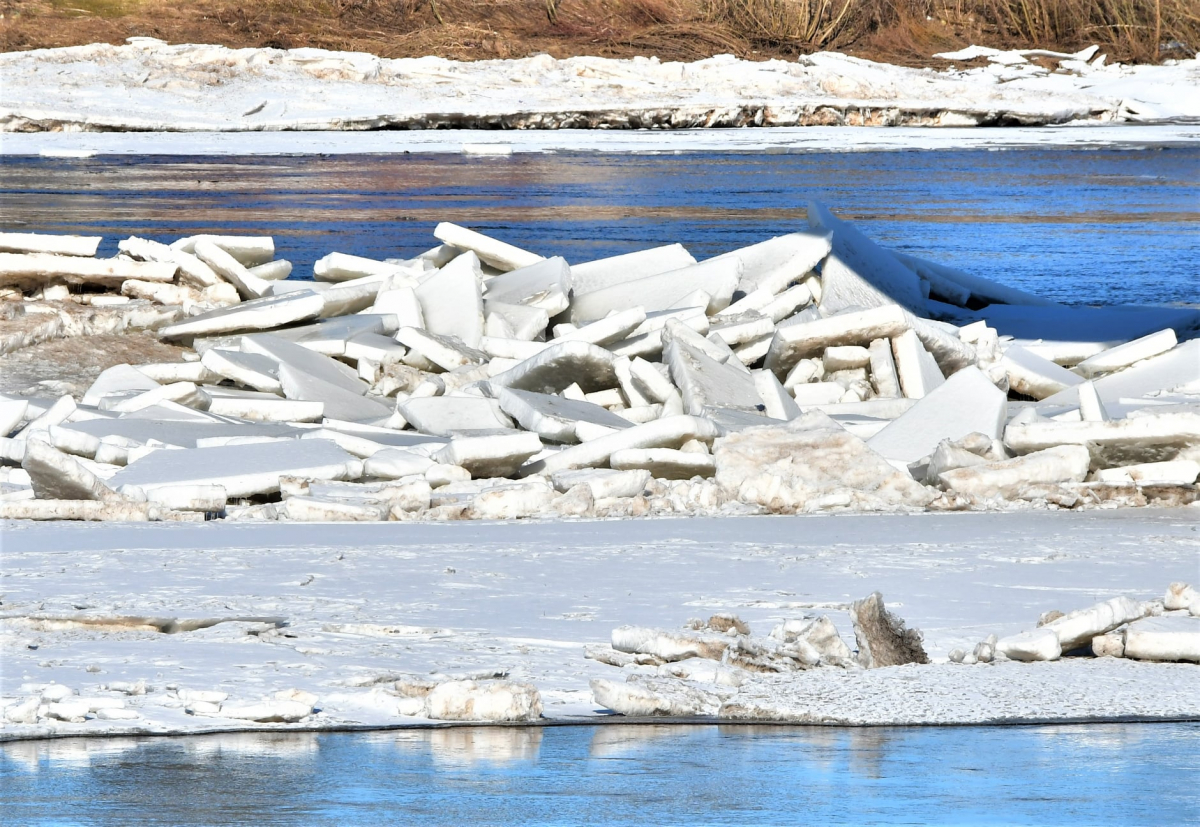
361 622
212 88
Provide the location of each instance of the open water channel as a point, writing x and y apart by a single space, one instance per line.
1083 227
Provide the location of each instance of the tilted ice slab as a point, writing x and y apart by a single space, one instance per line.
169 88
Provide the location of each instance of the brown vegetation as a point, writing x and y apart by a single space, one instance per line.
903 31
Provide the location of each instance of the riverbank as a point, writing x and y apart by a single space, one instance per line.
343 612
149 85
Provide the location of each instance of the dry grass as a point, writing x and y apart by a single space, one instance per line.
904 31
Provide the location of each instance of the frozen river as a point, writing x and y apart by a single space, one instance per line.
1082 226
1069 775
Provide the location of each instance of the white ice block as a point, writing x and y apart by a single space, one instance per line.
400 302
451 302
551 417
1153 438
773 264
559 366
192 270
591 276
304 360
1077 628
884 378
1178 368
1127 354
1164 639
1034 645
340 267
339 402
58 245
498 455
845 357
498 254
1091 408
28 270
669 432
119 379
795 342
777 402
525 322
257 314
450 415
252 370
717 277
664 463
1031 375
249 286
395 463
243 470
604 482
316 510
918 371
545 285
609 329
57 476
249 250
1006 478
705 382
967 402
1176 472
447 352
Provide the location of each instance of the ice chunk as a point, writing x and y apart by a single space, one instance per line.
773 264
1006 478
523 322
1079 627
1124 355
29 270
808 464
717 277
243 470
663 463
545 285
640 701
1177 472
249 286
483 701
57 476
513 502
883 639
59 245
12 414
1091 409
798 341
965 403
560 366
704 382
250 369
273 711
451 302
1153 438
615 326
402 303
604 483
669 646
308 362
395 463
340 267
257 314
1034 376
858 272
339 403
1037 644
450 415
669 432
1164 639
447 352
118 379
262 407
249 250
1175 369
777 403
498 254
595 275
552 417
315 509
498 455
919 372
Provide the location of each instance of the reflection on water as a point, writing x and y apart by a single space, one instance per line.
619 774
1082 226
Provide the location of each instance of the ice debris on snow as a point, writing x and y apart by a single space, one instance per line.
479 380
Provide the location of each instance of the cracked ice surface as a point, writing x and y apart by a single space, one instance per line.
367 605
149 85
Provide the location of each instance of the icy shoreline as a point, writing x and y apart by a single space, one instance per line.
151 86
466 600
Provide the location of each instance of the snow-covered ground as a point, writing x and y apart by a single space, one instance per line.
149 85
362 605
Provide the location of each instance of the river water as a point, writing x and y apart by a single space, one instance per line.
1099 226
616 775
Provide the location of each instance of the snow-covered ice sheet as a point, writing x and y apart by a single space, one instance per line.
365 604
150 85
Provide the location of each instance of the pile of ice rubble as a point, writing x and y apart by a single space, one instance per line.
482 381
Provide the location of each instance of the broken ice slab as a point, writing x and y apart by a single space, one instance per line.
251 370
329 337
256 406
717 277
884 378
496 253
88 510
704 382
1060 353
57 245
1157 437
29 270
450 415
249 250
493 455
1006 478
858 272
559 366
1177 369
57 476
352 296
517 321
314 510
257 314
949 284
183 393
341 267
175 432
777 403
918 371
545 285
315 365
116 380
965 403
451 302
612 327
604 482
798 341
1034 645
374 347
1168 639
339 402
1031 375
773 264
551 417
12 414
606 272
663 463
808 464
395 463
1125 355
243 470
1076 629
192 271
277 270
249 286
1176 472
739 330
447 352
669 432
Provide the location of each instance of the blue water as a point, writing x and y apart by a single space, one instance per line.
616 775
1079 226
